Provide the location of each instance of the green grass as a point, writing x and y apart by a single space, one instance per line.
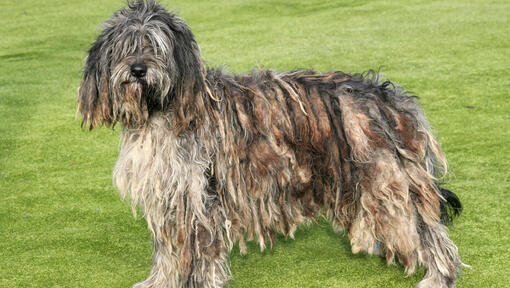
63 225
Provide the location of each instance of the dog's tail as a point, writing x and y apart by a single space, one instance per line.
450 206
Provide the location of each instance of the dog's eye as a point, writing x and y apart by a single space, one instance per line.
149 50
152 47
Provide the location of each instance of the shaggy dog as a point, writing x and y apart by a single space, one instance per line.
214 159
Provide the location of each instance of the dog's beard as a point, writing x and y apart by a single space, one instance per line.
134 107
135 98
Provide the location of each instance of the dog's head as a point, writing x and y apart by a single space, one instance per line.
145 60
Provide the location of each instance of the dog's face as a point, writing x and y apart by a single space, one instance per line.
145 60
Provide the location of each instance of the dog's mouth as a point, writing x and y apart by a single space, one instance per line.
139 100
141 86
136 81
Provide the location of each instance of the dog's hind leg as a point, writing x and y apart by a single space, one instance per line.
436 251
439 255
393 222
386 220
395 163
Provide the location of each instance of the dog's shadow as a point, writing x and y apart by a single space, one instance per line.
316 257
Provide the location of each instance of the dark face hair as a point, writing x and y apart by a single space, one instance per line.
145 60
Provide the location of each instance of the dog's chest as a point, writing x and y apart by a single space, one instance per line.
155 166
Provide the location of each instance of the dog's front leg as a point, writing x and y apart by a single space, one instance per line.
168 178
204 256
193 256
165 268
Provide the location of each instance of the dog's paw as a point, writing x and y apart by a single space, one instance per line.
437 281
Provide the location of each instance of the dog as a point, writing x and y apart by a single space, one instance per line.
215 159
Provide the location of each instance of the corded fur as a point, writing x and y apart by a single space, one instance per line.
214 159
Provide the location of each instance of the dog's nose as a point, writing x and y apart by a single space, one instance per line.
138 70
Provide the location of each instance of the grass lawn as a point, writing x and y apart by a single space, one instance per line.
62 223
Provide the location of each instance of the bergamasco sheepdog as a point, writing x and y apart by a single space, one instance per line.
215 159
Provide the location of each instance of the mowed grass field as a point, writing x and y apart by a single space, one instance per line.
62 223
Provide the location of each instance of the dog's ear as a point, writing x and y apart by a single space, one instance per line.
189 87
93 93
